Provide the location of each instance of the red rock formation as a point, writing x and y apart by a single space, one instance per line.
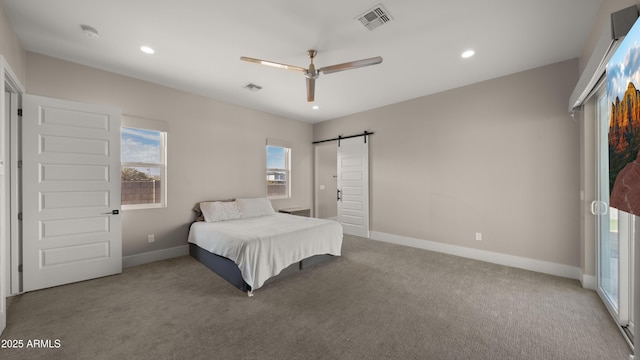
624 147
624 119
626 189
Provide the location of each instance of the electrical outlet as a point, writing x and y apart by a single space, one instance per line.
478 236
151 238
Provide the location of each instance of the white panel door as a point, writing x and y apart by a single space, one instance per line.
353 185
72 230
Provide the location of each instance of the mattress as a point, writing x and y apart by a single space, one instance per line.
265 245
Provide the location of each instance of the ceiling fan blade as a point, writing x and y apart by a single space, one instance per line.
274 64
311 89
351 65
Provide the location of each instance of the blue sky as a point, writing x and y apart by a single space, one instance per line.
624 65
275 157
140 145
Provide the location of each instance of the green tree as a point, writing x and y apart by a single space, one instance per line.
131 174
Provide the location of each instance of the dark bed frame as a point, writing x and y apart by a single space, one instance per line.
229 271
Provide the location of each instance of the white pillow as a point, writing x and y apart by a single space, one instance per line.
220 210
255 207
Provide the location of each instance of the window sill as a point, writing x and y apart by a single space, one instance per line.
278 197
143 207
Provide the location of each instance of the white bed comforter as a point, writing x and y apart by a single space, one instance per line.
265 245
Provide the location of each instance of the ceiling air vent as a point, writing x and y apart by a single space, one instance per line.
375 17
252 87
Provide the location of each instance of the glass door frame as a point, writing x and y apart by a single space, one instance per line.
616 297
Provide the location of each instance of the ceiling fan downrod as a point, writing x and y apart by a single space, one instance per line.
312 73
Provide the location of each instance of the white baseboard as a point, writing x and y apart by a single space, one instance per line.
541 266
588 281
152 256
3 320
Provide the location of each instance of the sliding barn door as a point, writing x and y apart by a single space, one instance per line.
71 192
353 185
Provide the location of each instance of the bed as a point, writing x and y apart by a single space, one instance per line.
247 243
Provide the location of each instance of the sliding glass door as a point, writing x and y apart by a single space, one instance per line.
615 231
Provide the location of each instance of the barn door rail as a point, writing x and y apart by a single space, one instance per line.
340 137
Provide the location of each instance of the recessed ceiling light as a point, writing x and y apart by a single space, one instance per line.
468 54
147 50
315 107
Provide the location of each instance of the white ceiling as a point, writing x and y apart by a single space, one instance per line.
198 44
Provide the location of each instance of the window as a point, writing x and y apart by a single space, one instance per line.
278 170
144 168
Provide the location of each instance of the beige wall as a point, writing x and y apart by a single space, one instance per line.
498 157
11 48
215 150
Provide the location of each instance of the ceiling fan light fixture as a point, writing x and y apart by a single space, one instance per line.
311 73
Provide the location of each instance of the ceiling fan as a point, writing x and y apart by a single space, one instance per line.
312 73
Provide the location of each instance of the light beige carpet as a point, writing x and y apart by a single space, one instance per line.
377 301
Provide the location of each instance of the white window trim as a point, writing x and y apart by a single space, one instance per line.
154 125
288 150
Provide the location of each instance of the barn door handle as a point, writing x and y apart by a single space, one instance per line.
112 212
339 198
